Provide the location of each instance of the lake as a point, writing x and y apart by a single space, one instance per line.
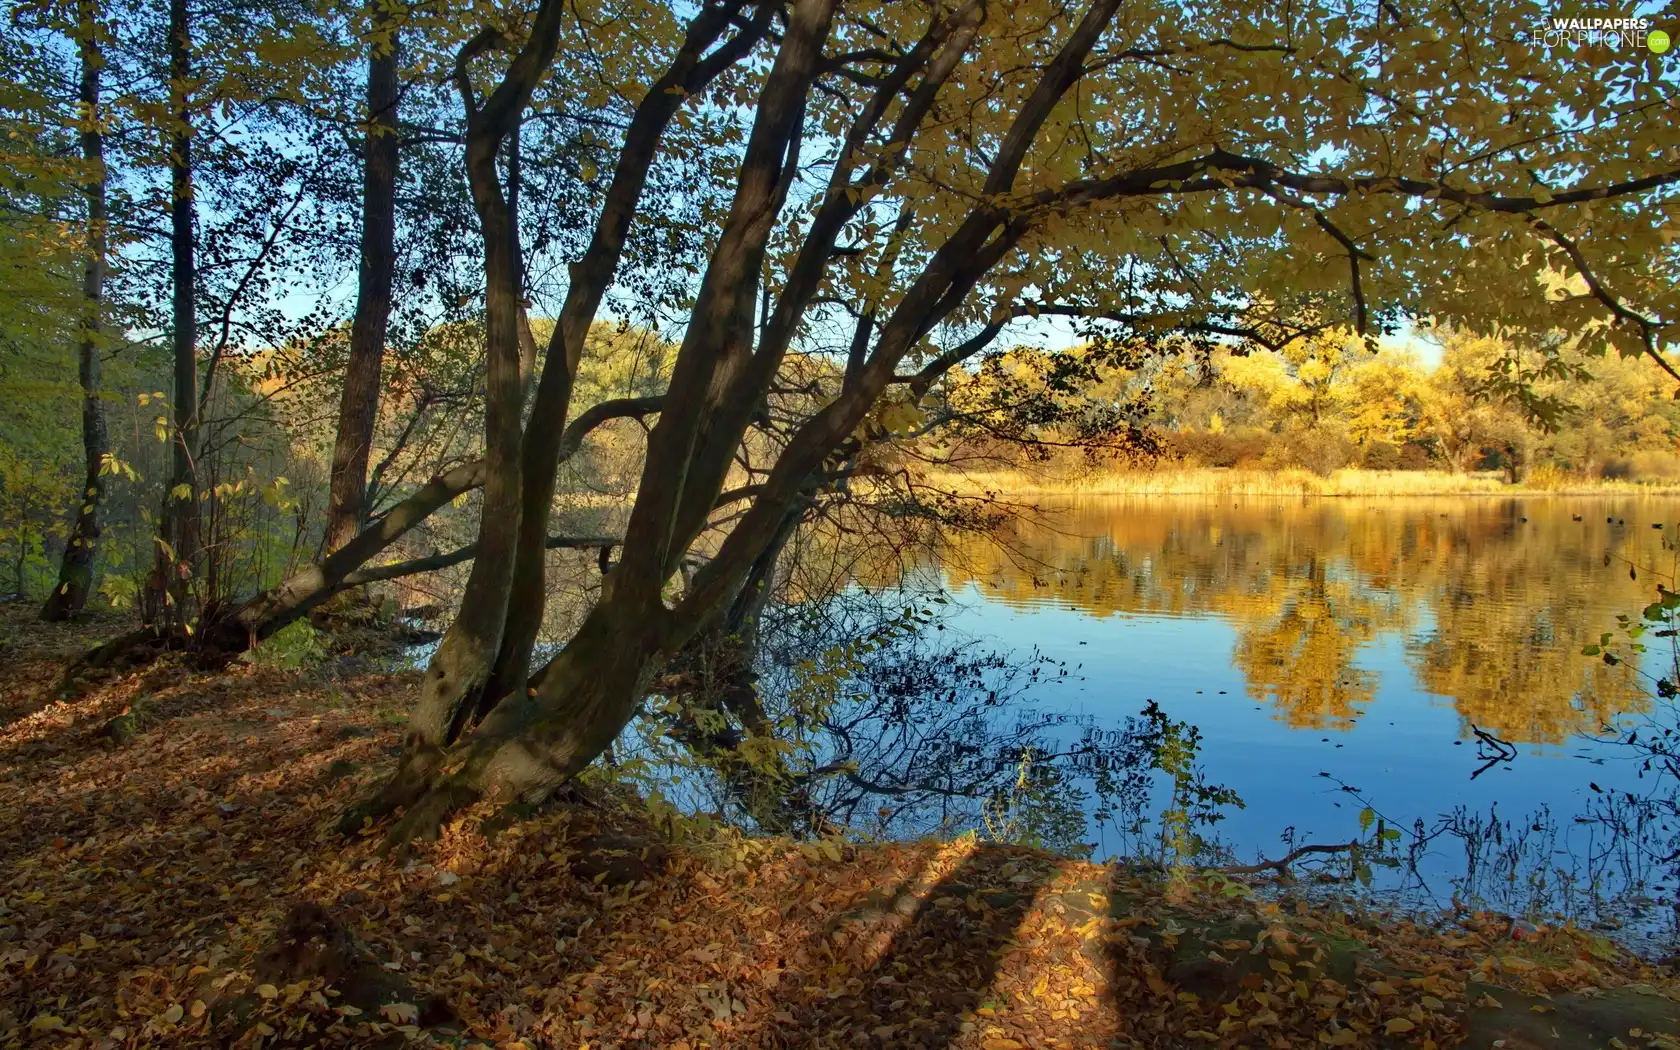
1368 640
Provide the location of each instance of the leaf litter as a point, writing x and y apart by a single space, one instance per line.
186 888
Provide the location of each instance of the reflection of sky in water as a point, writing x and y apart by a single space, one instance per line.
1492 599
1407 751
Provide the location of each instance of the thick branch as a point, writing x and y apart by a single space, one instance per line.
432 563
1281 865
1648 327
605 411
1221 170
1203 327
930 372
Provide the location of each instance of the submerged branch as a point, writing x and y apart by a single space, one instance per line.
1281 865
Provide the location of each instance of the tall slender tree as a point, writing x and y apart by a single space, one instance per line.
75 574
171 589
359 401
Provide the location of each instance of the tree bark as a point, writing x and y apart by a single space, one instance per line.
531 742
75 574
522 751
528 745
171 590
358 407
690 71
462 664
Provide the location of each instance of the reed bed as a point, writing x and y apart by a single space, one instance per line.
1211 481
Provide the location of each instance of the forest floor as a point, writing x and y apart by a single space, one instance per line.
176 882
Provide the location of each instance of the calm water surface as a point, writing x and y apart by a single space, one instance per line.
1359 638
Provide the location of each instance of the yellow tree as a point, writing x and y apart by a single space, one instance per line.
1384 401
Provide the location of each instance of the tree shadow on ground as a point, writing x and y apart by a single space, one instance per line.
923 959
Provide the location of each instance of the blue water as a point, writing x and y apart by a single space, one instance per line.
1519 585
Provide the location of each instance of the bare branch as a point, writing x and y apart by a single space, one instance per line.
432 563
1281 865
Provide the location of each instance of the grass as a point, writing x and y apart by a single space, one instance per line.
1212 481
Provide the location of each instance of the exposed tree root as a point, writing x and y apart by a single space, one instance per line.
125 652
423 821
414 777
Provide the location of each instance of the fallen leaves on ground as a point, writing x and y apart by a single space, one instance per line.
185 888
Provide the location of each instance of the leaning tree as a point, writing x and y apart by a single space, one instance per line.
906 180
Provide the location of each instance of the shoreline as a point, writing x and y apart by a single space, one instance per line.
1230 482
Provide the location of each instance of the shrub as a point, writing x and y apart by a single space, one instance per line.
1225 449
1379 455
1414 456
1652 465
292 648
1320 451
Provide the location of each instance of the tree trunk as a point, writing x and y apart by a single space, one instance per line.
531 742
171 588
524 750
75 574
463 662
359 405
589 692
541 451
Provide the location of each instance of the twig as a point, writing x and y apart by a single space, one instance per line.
1281 865
1503 751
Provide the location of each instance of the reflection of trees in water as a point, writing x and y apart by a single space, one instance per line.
1297 642
890 727
1512 604
880 722
1497 596
1608 866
